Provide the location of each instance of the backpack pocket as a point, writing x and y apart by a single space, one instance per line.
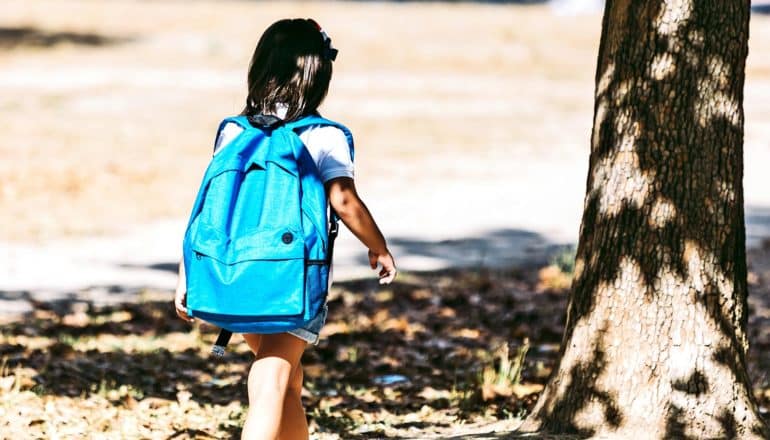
260 276
317 283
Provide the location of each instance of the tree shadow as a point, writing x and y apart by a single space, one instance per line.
428 327
91 316
677 419
27 36
581 391
161 374
63 369
677 424
437 329
172 267
495 248
695 385
757 225
516 436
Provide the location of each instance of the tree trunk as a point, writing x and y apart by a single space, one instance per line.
655 339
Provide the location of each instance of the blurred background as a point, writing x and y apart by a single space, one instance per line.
472 123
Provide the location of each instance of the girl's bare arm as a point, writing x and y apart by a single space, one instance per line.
180 297
351 209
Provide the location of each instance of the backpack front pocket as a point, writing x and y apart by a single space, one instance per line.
259 276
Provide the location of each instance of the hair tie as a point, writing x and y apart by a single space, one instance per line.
329 52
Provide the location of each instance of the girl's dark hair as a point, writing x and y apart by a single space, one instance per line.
289 67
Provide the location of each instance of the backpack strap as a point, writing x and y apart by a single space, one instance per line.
222 340
224 335
316 119
241 121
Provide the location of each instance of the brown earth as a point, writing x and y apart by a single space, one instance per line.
109 108
448 354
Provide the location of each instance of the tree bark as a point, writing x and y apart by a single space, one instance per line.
655 338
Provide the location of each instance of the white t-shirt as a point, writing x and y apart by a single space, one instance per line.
327 145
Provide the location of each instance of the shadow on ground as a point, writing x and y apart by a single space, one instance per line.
419 345
415 350
26 36
496 248
757 225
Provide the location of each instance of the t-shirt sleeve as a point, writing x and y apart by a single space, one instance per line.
226 135
329 147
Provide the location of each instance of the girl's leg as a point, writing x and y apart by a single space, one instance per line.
253 341
294 422
270 376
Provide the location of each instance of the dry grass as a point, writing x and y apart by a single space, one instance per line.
100 137
96 138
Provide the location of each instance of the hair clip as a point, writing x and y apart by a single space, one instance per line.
330 53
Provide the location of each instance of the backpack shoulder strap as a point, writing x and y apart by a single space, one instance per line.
316 119
241 121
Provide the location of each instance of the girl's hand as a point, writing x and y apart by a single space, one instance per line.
180 303
388 271
345 201
180 297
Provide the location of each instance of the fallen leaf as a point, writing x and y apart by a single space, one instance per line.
525 389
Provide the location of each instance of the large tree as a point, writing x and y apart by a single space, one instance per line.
655 339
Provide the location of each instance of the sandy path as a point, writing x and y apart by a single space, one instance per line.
518 226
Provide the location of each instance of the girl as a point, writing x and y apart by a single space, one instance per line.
288 78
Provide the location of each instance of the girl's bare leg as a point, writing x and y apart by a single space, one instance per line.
294 422
274 406
253 341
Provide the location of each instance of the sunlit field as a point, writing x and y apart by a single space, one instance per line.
109 108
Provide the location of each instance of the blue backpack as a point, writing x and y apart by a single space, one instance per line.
257 250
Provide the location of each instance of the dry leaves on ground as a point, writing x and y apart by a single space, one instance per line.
435 354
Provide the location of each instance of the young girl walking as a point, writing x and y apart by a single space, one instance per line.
288 79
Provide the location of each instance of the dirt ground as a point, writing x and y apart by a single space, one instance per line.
109 108
472 124
453 354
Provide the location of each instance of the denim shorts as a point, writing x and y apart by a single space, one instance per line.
310 332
